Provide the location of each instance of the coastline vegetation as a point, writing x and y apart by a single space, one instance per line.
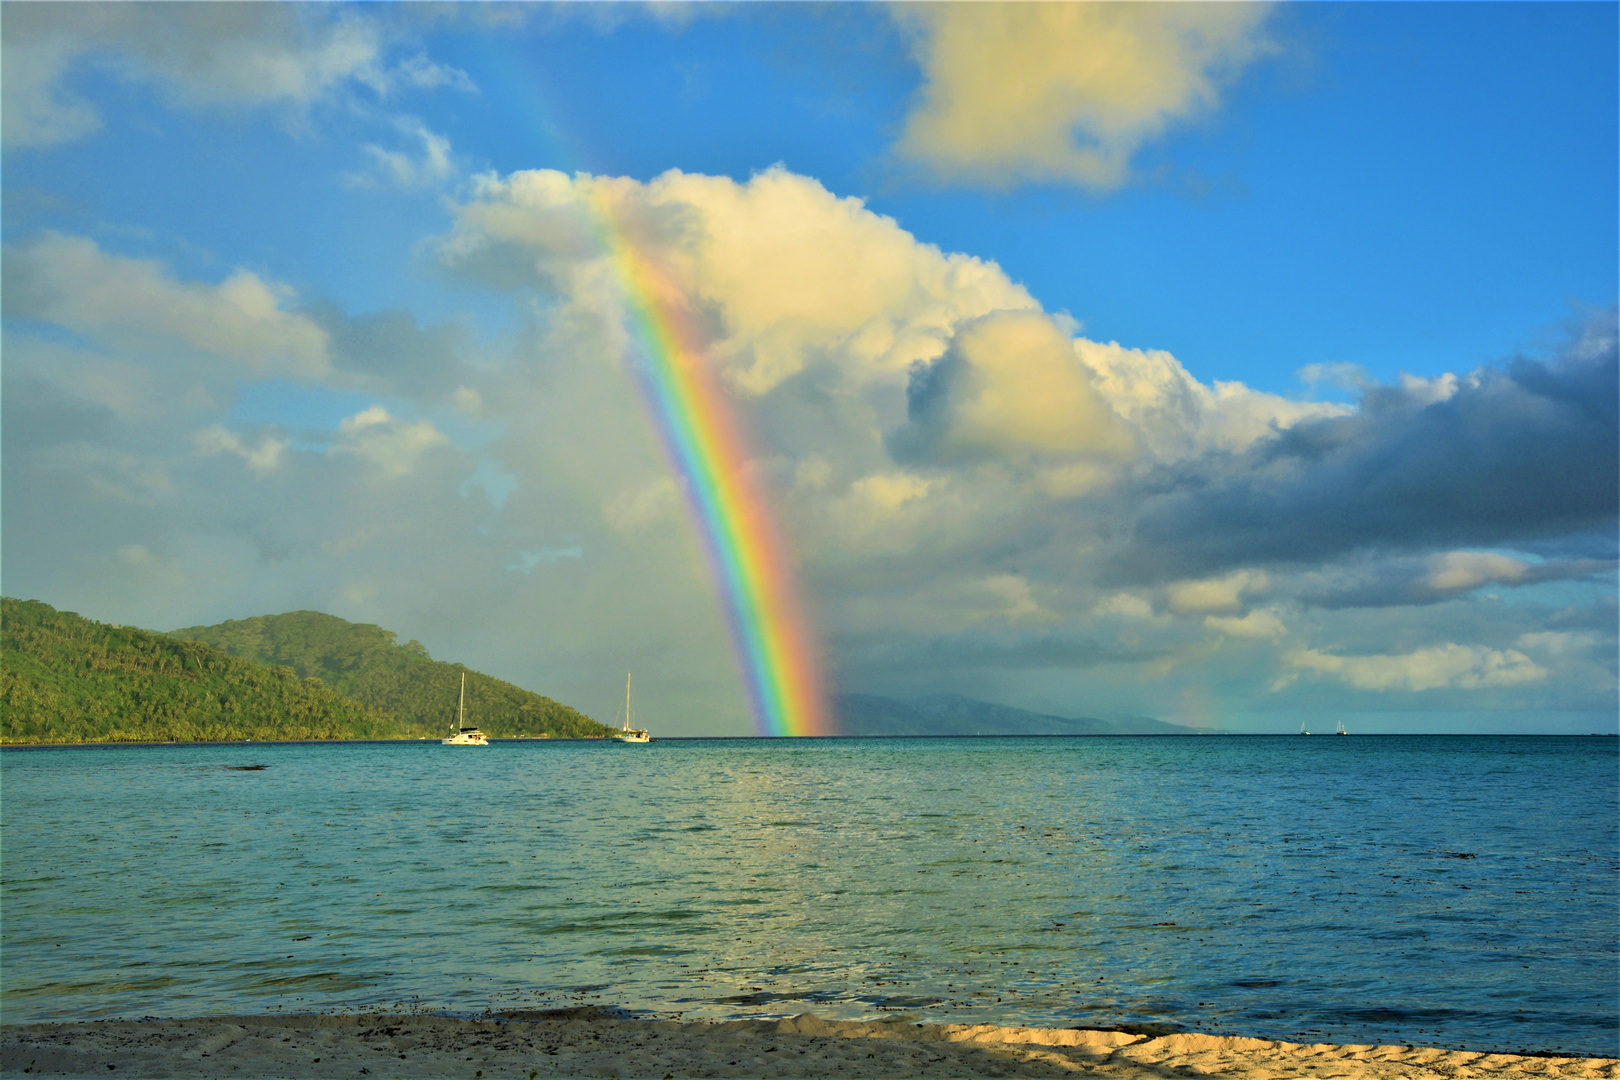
366 663
66 679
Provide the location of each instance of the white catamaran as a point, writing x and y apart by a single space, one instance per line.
627 733
461 734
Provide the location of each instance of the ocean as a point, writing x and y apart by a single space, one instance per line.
1453 891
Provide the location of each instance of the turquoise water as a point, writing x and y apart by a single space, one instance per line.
1453 891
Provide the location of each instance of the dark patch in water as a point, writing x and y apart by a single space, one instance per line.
766 998
902 1002
246 768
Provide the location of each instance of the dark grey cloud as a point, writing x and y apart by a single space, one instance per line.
392 349
1407 581
1529 452
1006 651
37 414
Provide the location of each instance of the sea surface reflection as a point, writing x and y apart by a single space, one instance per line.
1451 890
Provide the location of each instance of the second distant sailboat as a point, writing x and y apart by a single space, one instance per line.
627 733
461 734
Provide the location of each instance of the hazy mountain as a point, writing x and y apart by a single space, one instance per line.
953 714
366 663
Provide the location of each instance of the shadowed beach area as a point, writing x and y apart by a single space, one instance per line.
592 1042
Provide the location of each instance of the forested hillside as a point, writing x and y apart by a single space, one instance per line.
68 679
365 663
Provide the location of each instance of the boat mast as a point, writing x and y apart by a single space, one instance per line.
461 706
627 701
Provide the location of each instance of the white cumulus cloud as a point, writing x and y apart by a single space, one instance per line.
1064 93
390 444
200 56
1464 667
70 281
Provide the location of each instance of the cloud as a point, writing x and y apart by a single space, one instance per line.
779 272
391 445
780 278
962 475
1017 597
1064 93
890 491
1455 571
494 480
35 110
1505 455
1383 580
1221 594
1178 416
1009 387
200 56
637 509
1256 624
292 453
992 650
71 282
263 457
1448 666
390 353
528 560
431 166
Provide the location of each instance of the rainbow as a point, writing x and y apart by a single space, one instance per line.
770 637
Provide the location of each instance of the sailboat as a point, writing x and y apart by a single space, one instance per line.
1341 730
461 734
627 733
1302 730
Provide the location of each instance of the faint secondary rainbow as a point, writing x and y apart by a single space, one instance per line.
770 637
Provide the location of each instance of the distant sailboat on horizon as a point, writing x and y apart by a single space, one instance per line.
629 734
461 734
1302 730
1341 730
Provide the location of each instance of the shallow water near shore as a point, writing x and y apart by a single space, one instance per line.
1452 891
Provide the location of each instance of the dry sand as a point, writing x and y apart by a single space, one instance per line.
593 1043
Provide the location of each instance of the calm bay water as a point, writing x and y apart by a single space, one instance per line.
1451 890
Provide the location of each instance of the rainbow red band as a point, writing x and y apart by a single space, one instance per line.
770 638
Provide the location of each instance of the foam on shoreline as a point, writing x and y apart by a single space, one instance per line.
592 1042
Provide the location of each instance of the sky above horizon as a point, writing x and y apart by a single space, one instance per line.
1231 365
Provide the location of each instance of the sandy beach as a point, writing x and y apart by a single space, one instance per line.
595 1043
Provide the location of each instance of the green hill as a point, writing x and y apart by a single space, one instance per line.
364 662
68 679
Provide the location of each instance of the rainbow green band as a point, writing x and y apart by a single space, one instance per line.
770 638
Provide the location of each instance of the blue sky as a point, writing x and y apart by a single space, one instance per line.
232 232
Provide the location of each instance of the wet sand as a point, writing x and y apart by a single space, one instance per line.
596 1043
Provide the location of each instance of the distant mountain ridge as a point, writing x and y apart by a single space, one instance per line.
366 663
953 714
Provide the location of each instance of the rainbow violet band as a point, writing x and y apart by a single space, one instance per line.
770 638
